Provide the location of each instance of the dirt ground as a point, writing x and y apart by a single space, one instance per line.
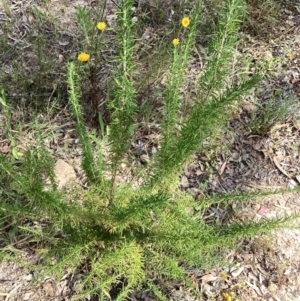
265 268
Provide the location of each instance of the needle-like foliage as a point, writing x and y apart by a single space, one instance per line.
124 235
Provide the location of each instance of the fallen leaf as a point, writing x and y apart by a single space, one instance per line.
237 272
4 149
49 290
277 164
208 278
262 210
222 168
184 182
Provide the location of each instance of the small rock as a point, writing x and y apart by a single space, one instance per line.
64 173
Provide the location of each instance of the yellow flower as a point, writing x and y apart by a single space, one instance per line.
185 22
175 42
224 276
83 57
101 25
227 297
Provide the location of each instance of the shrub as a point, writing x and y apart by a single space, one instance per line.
129 235
275 110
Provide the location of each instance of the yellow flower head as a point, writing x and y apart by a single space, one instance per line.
227 297
185 22
175 42
83 57
101 25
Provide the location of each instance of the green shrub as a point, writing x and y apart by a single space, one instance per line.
130 235
275 110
